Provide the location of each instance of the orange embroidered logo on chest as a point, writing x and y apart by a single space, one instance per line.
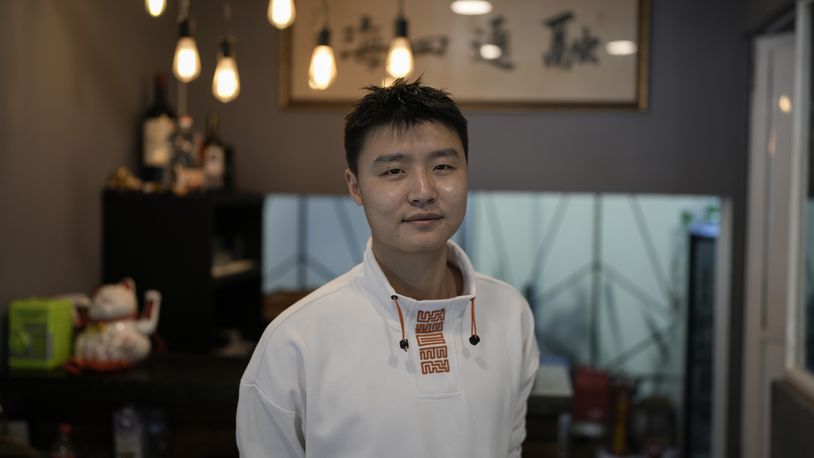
432 348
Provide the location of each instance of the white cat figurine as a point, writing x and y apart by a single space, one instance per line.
115 337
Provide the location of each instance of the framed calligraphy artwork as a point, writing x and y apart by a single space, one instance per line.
581 54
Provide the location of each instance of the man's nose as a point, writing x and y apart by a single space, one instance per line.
423 190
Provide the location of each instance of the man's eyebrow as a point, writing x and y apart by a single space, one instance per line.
385 158
395 157
446 152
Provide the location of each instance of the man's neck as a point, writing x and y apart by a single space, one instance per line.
420 276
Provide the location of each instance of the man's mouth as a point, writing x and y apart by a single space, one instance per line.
422 217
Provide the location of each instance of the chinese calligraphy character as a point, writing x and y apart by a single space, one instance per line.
370 49
560 54
365 45
432 45
492 47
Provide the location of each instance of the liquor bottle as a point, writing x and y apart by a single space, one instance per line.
158 126
186 171
63 447
229 169
128 433
214 155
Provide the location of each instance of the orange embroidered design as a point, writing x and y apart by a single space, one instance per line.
429 327
433 353
432 348
432 367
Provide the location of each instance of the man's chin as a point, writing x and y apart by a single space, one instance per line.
418 245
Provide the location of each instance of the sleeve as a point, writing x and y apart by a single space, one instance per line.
265 429
270 418
531 361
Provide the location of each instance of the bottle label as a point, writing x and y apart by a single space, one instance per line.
214 165
188 178
157 146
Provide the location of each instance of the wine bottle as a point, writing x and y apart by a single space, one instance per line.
186 171
158 126
63 447
214 155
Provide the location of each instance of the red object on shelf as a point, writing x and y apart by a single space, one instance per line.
590 401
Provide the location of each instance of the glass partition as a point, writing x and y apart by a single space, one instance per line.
607 275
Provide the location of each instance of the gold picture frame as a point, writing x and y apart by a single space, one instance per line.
554 54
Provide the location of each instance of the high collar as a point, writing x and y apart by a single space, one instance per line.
375 283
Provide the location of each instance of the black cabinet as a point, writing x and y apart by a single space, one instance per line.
700 344
202 252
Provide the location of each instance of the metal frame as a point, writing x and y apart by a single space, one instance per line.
795 353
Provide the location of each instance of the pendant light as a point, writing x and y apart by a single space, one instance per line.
322 69
471 7
226 82
400 53
186 65
281 13
155 7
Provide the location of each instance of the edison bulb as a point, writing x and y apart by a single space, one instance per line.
281 13
388 81
155 7
322 71
471 7
400 58
187 63
226 83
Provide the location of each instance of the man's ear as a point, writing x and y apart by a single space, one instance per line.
353 186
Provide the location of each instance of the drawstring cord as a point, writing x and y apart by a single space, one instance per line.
404 343
474 339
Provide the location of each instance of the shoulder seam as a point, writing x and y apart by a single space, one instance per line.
267 399
302 304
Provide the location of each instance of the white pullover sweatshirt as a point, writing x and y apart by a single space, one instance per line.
329 379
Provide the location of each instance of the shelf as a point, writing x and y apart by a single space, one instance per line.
162 378
177 245
237 278
232 268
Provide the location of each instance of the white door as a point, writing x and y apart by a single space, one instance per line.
767 257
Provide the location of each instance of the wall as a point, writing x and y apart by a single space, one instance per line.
691 140
791 423
73 80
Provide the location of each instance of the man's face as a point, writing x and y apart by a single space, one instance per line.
413 187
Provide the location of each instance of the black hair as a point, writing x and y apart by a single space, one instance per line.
400 105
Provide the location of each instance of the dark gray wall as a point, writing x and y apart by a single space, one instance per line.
691 140
759 14
72 84
792 422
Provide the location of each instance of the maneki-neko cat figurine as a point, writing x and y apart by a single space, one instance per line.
115 336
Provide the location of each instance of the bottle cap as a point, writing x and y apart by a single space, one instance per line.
185 121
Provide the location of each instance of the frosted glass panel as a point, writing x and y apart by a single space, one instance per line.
606 275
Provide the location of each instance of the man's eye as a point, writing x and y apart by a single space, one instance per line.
392 172
443 167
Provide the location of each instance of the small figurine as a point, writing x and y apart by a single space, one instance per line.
115 337
122 179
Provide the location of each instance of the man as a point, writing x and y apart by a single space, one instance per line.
387 360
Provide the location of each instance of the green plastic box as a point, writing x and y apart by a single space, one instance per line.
40 333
